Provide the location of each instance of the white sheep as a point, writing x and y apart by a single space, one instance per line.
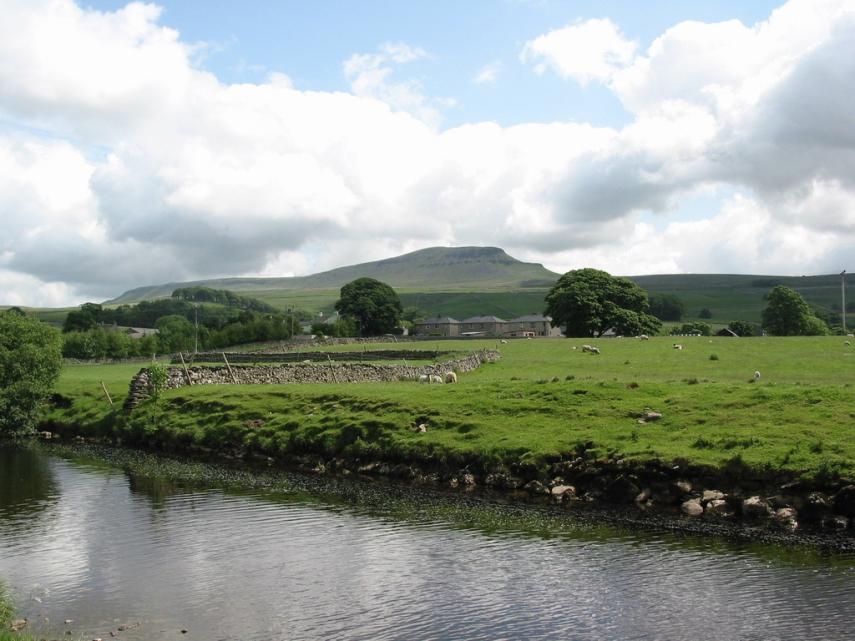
590 348
504 341
450 377
434 378
424 378
677 346
644 337
757 375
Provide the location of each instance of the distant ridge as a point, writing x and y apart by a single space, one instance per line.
433 269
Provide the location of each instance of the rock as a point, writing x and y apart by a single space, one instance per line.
835 523
681 488
785 517
844 501
814 507
692 507
644 495
467 478
712 495
535 487
17 625
779 501
755 508
559 491
621 490
651 416
719 507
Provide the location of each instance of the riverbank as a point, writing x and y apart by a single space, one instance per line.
686 434
11 626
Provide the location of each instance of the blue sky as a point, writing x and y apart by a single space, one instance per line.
143 143
309 41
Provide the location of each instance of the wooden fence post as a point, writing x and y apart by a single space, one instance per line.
231 373
106 393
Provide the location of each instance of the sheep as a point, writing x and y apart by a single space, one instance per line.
574 348
504 341
757 375
590 348
450 377
678 346
424 378
644 337
434 378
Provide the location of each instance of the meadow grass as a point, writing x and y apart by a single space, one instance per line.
543 399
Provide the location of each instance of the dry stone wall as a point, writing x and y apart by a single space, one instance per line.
302 373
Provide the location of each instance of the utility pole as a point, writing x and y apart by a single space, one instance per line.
196 328
843 299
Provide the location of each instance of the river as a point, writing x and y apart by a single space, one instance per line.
213 556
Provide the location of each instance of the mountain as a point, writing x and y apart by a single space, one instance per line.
470 281
427 270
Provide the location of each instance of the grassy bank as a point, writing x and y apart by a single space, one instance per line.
542 401
7 616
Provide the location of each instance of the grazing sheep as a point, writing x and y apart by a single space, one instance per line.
434 378
677 346
595 350
590 348
644 337
504 341
450 377
757 375
424 378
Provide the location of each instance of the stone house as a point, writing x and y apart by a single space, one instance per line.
438 326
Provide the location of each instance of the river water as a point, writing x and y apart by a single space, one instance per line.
84 540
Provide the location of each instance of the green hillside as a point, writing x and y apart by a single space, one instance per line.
741 297
432 269
467 281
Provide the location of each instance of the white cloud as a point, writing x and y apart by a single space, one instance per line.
488 74
370 76
146 169
591 50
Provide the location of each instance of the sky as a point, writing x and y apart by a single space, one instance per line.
143 143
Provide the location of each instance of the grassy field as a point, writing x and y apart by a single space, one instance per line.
541 400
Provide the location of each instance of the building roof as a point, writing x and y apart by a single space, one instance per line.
483 319
531 318
438 320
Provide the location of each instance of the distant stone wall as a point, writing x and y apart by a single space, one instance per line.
302 373
297 357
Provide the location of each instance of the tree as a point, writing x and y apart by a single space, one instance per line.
30 360
742 328
174 334
87 317
788 314
705 313
589 302
374 306
666 307
695 327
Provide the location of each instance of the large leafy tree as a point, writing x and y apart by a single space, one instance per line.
374 306
589 302
667 307
30 360
788 314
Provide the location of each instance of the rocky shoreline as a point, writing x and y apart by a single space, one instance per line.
730 502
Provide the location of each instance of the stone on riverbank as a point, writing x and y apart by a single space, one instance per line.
692 507
755 507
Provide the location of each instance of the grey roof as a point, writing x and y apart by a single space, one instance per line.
531 318
438 320
483 319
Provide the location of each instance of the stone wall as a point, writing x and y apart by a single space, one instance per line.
303 373
297 357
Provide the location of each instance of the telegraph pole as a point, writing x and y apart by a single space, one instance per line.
843 299
196 328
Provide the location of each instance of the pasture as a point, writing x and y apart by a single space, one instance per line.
542 400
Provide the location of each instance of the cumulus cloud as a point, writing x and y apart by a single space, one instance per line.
123 163
590 50
488 74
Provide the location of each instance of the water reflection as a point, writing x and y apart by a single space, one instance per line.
27 485
358 562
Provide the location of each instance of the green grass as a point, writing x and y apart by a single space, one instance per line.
541 400
7 615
